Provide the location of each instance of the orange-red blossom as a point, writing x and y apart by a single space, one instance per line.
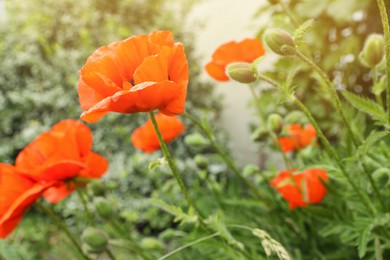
297 137
303 188
139 74
246 50
145 137
45 167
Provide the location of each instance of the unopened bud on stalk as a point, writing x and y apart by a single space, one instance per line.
103 207
95 240
281 42
260 134
242 72
196 140
373 50
275 123
201 161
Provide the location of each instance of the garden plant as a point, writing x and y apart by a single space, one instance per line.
123 159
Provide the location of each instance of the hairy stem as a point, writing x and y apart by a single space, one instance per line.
328 147
62 226
386 33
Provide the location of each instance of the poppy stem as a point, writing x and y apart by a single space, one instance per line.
287 11
332 91
340 110
171 163
84 202
327 145
386 34
228 160
62 226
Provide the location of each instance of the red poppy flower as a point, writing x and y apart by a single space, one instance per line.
145 137
244 51
139 74
17 193
303 188
61 154
298 137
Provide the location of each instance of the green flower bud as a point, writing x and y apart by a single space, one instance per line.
96 188
275 123
280 42
260 134
95 239
295 117
196 140
242 72
103 207
201 161
373 50
150 243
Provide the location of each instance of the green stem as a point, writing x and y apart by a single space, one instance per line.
378 249
84 202
327 145
289 14
333 93
110 255
378 96
135 247
229 161
340 110
170 161
62 226
172 165
386 33
263 122
188 245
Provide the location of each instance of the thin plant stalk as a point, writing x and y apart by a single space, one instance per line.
287 161
62 226
176 174
340 110
84 203
332 91
327 145
171 163
188 245
227 159
386 33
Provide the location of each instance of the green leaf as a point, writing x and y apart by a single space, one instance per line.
304 28
363 241
367 145
157 162
216 223
367 106
180 216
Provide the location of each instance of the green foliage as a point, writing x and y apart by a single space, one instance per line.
367 106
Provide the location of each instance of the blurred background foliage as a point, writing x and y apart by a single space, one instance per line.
44 43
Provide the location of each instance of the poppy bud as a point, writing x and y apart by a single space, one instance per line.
103 208
96 188
196 140
280 42
150 243
373 50
95 240
201 161
294 117
275 123
242 72
260 134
